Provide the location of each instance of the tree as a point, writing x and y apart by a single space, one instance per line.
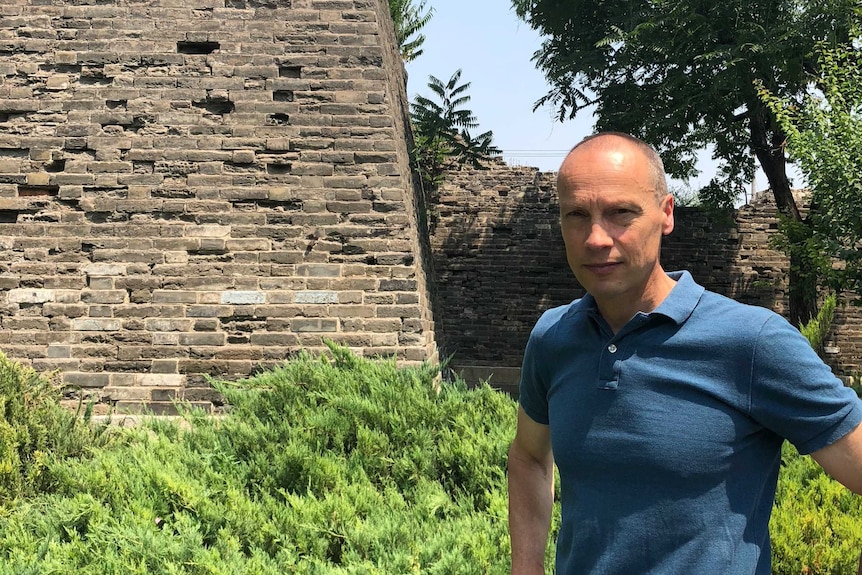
680 74
824 137
409 19
441 131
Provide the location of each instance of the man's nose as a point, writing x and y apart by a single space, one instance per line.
599 237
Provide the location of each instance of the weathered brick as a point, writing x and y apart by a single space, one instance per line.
214 339
175 296
313 325
24 295
243 297
103 296
83 379
160 379
317 297
319 270
159 324
124 394
92 324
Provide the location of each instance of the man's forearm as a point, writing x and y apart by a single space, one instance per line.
531 499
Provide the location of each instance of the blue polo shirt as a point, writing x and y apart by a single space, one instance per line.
668 434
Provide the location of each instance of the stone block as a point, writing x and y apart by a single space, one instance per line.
319 270
125 394
32 296
243 156
101 283
316 297
208 311
105 269
65 57
86 379
162 325
162 366
243 297
203 338
59 351
92 324
103 296
160 379
313 325
352 311
174 296
38 179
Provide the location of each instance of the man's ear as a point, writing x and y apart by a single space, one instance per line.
667 209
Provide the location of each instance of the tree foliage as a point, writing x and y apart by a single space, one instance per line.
409 19
441 128
681 74
824 137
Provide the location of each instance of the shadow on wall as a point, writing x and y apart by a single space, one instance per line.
729 254
500 262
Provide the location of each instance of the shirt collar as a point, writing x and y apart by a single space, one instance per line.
682 299
677 306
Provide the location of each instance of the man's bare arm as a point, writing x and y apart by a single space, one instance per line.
843 460
531 495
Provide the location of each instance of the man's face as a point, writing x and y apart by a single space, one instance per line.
612 222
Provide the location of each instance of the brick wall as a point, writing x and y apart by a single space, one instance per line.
203 188
500 262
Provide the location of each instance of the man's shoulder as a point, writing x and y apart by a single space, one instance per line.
555 316
718 307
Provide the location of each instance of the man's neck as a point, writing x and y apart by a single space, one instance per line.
619 310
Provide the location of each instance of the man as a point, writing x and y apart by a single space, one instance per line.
664 406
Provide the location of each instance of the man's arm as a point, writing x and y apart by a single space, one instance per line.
843 460
531 495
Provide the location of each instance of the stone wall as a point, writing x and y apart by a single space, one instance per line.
203 188
500 262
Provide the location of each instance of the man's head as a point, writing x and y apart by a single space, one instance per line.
614 210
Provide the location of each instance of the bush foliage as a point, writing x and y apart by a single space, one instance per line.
35 430
327 465
341 465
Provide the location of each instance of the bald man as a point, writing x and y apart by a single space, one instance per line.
664 406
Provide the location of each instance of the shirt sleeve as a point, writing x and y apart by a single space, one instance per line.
533 389
795 394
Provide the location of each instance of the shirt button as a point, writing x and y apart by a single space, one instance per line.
612 348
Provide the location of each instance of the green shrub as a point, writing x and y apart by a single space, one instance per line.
815 527
341 465
327 467
34 429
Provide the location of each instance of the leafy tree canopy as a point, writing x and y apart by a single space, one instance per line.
680 74
824 136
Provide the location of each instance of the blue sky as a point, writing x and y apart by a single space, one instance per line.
493 49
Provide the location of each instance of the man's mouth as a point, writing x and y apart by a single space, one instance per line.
603 268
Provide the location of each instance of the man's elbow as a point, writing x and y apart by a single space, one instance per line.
843 460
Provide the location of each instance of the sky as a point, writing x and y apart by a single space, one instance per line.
493 48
